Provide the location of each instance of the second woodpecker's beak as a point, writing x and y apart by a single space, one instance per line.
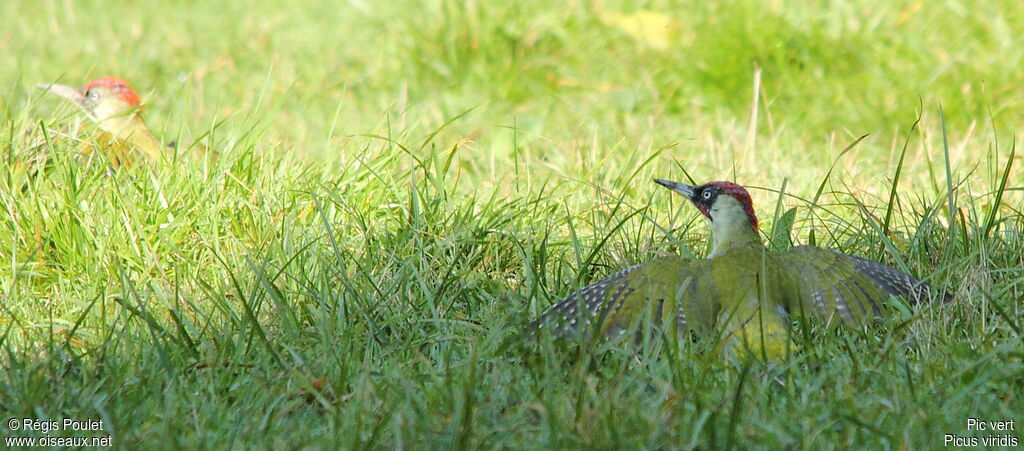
681 188
71 93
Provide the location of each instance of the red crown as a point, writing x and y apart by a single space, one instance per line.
741 195
118 86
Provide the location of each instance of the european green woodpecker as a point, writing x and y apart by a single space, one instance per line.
742 290
113 105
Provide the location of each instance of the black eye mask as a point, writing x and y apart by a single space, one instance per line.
705 197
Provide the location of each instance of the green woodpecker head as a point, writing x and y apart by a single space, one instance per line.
728 208
108 101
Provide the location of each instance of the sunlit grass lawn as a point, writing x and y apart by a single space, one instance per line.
395 190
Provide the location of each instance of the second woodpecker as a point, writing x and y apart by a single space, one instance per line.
742 290
113 105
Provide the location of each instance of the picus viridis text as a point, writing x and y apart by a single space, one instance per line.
742 290
114 106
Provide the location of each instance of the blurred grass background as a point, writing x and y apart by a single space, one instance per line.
597 82
316 283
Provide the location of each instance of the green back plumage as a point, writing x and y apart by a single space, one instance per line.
613 305
842 287
748 290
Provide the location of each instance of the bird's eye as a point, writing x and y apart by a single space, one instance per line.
92 94
706 195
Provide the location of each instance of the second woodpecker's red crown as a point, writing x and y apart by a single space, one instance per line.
118 86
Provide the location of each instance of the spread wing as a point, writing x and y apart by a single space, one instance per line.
830 284
672 291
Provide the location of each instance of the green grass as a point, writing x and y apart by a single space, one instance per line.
399 188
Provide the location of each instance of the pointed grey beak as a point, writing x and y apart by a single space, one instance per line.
68 92
681 188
